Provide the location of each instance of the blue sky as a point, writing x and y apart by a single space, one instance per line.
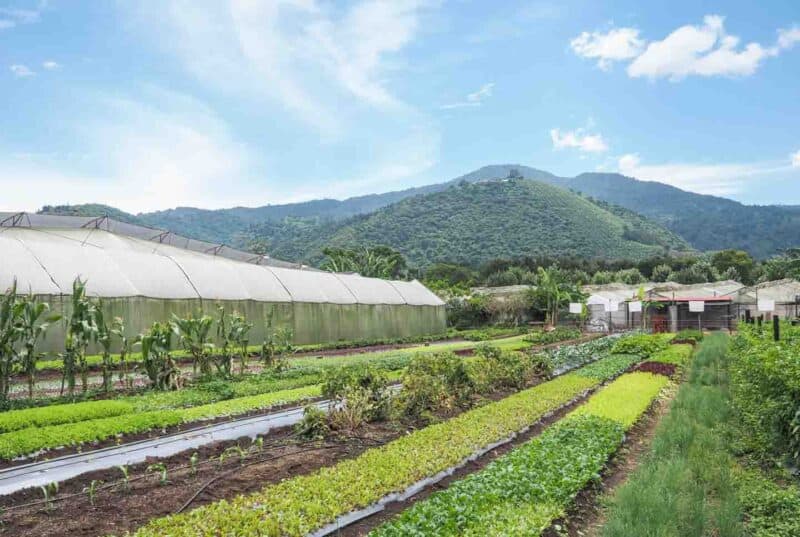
156 104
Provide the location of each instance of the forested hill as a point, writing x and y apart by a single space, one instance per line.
706 222
473 223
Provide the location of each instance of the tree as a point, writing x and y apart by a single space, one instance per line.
372 262
553 292
661 273
739 260
630 276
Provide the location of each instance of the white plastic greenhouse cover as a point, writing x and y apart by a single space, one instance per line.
47 261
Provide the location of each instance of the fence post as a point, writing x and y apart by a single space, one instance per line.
776 328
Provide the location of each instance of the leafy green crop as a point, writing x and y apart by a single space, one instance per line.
625 399
642 344
674 354
302 504
609 366
524 491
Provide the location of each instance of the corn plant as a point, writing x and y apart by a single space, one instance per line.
156 359
102 336
8 338
118 329
80 332
126 478
91 490
232 332
193 333
31 328
277 343
161 469
233 451
193 460
49 492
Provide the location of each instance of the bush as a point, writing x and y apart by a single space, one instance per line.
641 344
689 335
314 425
495 369
360 393
561 333
433 381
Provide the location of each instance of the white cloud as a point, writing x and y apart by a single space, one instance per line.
11 17
51 65
615 45
155 151
716 179
788 37
704 50
319 72
473 99
578 139
795 160
21 71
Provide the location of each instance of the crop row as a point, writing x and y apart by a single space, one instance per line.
298 376
303 504
33 439
524 491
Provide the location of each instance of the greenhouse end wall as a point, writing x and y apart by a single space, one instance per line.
309 322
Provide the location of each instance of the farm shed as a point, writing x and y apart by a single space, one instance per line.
608 305
708 306
145 275
784 295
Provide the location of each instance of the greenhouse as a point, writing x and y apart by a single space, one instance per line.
145 275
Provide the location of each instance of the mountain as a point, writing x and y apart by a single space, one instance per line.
705 222
471 223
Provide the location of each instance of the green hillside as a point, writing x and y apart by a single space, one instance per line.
472 223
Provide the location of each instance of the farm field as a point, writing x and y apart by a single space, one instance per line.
492 434
566 386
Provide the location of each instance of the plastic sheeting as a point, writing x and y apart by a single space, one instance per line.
144 281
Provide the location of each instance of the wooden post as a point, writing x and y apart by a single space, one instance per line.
776 328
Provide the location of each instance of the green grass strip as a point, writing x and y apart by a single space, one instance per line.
674 354
299 505
684 486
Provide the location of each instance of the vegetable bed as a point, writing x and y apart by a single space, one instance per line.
303 504
524 491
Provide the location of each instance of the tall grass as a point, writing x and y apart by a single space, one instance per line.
685 486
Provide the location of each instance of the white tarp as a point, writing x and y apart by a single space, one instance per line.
766 305
635 306
575 307
697 306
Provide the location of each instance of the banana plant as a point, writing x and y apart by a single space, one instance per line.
193 333
232 331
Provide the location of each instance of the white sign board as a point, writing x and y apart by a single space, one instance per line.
612 306
575 307
635 306
697 306
766 305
